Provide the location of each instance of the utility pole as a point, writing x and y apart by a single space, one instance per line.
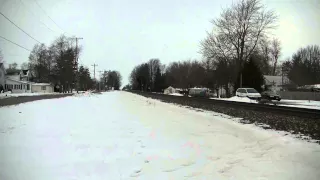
94 70
94 73
76 61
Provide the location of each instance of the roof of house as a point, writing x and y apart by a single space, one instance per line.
25 72
170 87
276 80
13 72
23 82
41 84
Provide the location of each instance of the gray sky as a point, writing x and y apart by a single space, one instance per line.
119 34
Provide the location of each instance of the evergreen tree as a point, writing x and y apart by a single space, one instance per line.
158 81
252 76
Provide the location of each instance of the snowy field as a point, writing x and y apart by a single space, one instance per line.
119 135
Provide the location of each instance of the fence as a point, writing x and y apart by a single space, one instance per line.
300 95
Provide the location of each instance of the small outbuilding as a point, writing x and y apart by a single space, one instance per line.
169 90
42 88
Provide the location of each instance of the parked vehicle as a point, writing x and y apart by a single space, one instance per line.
270 95
199 92
248 92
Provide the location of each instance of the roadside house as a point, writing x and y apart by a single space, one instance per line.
16 81
42 88
169 90
16 86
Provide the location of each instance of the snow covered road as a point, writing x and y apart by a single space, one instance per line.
119 135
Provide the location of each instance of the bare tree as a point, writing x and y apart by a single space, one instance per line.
154 64
24 66
275 52
37 62
237 32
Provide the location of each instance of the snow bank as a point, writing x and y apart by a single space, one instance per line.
176 94
237 99
301 103
124 136
9 94
284 102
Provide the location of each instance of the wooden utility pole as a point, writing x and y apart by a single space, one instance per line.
94 70
76 61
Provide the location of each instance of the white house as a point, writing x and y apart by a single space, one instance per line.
41 88
17 86
169 90
2 77
16 81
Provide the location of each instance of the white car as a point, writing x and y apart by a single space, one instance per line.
248 92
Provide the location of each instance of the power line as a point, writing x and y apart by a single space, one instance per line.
36 15
19 27
49 16
15 43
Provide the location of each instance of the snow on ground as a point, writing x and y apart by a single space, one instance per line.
176 94
119 135
284 102
237 99
8 94
302 103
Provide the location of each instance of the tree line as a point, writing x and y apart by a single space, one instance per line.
110 79
236 53
303 68
57 64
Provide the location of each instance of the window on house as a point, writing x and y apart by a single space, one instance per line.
43 87
28 87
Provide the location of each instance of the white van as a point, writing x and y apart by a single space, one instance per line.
248 92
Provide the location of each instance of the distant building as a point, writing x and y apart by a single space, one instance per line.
169 90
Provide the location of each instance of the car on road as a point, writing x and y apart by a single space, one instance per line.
251 93
270 95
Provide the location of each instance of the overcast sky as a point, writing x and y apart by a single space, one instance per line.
119 34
